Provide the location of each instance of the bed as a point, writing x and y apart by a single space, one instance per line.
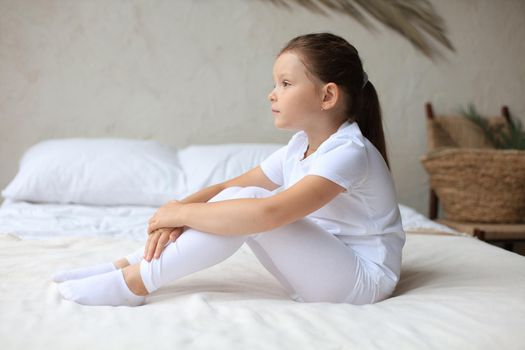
455 291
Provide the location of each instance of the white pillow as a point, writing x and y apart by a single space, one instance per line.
206 165
98 171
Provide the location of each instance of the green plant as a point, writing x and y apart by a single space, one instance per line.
502 136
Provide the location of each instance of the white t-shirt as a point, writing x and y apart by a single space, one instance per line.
366 216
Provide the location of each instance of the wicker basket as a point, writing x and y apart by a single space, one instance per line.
478 185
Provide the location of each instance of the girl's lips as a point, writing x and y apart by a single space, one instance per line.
275 111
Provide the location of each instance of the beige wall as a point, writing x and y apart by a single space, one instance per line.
186 72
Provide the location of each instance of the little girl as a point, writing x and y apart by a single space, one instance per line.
331 233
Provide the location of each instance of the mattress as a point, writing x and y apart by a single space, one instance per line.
455 292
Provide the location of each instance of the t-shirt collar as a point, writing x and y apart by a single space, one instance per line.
350 130
347 130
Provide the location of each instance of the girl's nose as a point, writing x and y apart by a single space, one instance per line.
271 96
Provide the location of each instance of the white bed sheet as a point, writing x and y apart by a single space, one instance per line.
455 292
42 221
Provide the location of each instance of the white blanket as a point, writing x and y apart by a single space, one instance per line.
455 293
46 220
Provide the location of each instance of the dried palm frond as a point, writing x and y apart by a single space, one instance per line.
410 18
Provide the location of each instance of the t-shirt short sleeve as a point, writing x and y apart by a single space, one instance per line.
344 163
272 166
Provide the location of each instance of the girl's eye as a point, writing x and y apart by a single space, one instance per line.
285 83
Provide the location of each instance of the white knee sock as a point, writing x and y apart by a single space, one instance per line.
83 272
108 288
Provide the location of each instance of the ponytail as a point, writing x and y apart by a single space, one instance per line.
370 121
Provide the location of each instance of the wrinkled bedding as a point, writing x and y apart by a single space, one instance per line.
455 292
46 220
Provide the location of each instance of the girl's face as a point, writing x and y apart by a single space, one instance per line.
296 103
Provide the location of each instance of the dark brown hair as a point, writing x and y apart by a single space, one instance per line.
332 59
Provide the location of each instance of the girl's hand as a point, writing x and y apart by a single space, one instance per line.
166 216
158 240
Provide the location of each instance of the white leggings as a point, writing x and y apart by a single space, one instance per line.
310 263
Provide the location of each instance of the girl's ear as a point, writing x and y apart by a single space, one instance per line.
330 95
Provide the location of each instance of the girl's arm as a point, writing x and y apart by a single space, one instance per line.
205 194
243 215
155 243
157 240
227 217
253 177
253 215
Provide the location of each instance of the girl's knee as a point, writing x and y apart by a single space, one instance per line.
253 192
226 193
234 192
